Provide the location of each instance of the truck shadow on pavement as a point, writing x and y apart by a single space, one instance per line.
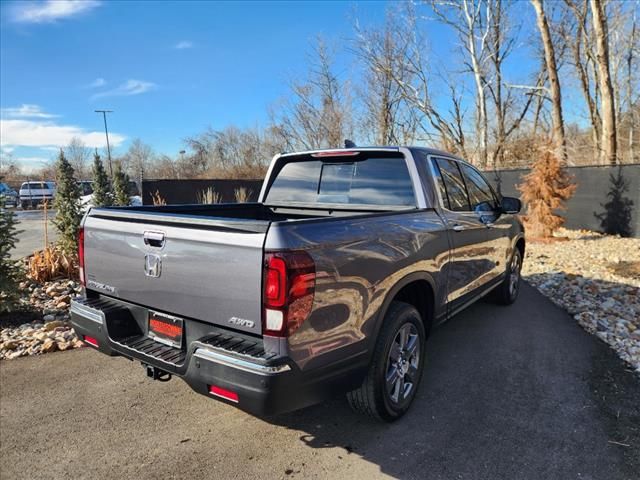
508 392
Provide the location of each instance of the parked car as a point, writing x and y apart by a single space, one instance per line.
34 193
9 194
330 283
86 187
86 195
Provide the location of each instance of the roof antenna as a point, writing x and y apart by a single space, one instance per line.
349 143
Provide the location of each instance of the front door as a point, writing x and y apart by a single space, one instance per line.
485 204
472 253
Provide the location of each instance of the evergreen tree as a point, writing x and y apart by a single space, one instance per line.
616 218
67 204
545 189
101 188
10 271
120 187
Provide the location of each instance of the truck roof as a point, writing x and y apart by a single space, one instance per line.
388 148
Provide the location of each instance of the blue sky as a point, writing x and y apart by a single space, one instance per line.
167 69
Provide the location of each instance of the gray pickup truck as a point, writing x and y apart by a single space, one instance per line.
330 283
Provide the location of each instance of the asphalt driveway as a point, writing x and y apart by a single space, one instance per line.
31 236
509 392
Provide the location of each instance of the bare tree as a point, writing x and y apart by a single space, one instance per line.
631 60
607 101
509 113
382 52
138 159
319 115
471 20
78 156
554 82
583 57
228 153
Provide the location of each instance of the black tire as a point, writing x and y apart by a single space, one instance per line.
24 205
507 292
373 397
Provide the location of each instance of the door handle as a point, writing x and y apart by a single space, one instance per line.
153 239
457 227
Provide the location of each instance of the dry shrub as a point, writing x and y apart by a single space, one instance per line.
158 199
544 191
209 196
242 194
51 263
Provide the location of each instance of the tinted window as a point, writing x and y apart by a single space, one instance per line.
477 187
373 181
453 185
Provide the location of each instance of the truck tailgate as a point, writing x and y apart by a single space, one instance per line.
208 271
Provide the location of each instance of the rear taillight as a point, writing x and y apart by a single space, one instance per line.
81 255
91 341
289 285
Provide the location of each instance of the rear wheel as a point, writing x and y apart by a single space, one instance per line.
507 292
396 368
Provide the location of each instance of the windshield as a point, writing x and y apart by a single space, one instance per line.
34 185
86 188
370 181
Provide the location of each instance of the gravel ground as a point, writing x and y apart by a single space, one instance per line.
48 330
596 278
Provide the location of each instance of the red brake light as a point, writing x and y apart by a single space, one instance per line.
81 256
221 392
91 341
336 153
289 285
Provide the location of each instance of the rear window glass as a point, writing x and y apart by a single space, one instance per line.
373 181
35 185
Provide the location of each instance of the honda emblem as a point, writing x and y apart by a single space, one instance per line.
152 265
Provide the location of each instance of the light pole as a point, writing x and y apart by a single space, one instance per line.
106 132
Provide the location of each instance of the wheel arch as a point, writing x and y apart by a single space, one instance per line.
417 289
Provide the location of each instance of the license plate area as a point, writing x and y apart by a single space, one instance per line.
166 329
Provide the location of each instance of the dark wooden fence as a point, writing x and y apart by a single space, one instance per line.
593 185
187 191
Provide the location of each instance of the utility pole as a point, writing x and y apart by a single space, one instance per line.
106 132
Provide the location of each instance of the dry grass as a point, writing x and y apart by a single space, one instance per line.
209 196
242 194
157 199
50 263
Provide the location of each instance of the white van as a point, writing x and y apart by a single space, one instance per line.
34 193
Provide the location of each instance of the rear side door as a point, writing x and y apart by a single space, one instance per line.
471 258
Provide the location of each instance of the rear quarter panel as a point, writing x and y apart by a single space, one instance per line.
358 261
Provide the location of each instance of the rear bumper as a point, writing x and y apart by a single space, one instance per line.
264 385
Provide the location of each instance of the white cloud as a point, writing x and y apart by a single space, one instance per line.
47 134
50 10
130 87
26 110
183 44
97 83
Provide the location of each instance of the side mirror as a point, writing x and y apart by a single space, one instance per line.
510 205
